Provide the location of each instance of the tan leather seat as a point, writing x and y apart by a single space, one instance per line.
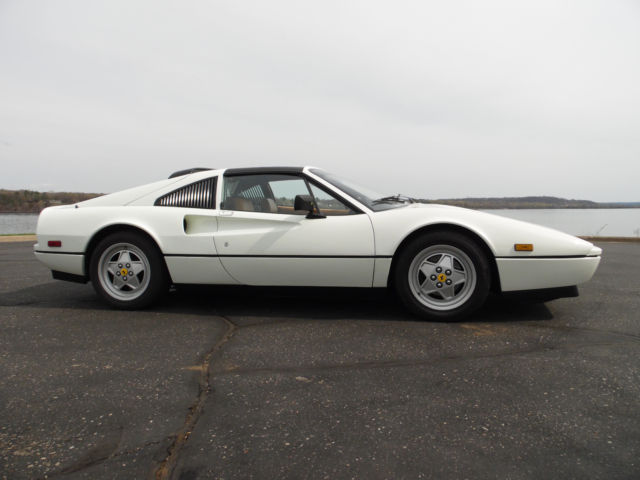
268 205
238 203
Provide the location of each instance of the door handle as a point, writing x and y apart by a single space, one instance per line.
226 213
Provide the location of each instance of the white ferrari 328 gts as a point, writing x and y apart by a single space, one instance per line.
294 226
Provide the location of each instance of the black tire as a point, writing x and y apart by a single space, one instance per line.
127 270
442 276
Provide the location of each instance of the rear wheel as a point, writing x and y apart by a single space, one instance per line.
442 276
128 271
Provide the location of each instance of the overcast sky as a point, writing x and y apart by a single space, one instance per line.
434 99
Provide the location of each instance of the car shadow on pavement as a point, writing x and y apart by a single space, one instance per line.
269 303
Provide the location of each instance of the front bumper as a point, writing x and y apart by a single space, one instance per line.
533 273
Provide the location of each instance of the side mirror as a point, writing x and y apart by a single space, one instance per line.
305 202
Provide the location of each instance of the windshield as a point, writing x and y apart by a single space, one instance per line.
374 200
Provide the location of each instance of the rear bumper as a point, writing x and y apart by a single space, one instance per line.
70 263
533 273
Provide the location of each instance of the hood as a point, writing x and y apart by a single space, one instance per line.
499 233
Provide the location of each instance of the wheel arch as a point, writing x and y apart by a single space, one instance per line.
117 228
449 227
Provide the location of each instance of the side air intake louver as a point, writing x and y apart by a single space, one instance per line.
201 194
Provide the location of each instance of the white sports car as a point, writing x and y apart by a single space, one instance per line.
295 226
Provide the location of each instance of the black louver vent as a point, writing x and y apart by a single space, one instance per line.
253 192
201 194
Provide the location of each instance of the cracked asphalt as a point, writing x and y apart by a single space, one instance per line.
237 383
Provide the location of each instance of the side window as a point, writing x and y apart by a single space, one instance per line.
245 193
200 194
263 193
285 191
328 204
274 193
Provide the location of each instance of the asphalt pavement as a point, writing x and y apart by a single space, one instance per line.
237 383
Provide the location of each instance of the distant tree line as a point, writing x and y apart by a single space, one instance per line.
28 201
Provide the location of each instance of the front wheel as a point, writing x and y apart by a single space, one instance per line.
128 271
442 276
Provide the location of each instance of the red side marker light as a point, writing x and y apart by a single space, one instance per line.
54 243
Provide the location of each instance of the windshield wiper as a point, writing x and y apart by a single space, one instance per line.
395 199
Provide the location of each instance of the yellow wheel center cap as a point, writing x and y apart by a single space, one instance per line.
442 277
124 272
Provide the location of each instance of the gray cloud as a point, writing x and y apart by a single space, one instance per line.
434 99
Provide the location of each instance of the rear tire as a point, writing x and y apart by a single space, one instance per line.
128 271
442 276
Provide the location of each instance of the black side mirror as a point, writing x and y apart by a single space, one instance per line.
305 202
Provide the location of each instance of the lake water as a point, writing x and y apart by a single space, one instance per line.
618 222
605 222
18 223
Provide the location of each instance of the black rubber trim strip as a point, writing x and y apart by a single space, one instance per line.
187 171
69 277
542 294
552 256
60 253
234 172
275 256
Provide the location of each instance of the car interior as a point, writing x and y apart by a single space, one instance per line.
276 194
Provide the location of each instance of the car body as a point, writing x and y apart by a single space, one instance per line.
301 226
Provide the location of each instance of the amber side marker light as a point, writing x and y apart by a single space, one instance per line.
523 247
54 243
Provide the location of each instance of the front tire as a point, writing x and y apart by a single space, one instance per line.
442 276
128 271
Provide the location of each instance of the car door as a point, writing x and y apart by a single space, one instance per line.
263 240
